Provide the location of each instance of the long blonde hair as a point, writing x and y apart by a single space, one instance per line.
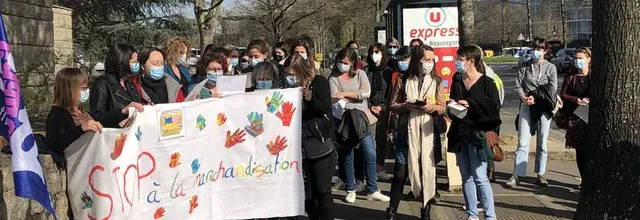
303 71
66 88
173 46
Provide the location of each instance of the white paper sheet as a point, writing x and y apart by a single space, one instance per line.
227 85
583 113
338 108
458 110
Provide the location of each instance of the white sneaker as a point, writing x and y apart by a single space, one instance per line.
377 196
351 197
473 218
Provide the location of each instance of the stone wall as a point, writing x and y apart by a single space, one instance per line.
62 37
30 32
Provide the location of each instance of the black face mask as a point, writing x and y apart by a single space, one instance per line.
278 58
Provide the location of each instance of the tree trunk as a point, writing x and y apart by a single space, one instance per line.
611 185
503 26
198 4
466 22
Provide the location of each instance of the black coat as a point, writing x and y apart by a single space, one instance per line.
380 81
61 132
108 98
318 110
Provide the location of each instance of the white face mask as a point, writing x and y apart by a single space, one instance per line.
376 57
427 66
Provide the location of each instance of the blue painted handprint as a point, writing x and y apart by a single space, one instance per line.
255 126
274 102
195 166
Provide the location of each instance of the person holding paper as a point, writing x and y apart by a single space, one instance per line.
466 137
257 52
575 93
350 84
209 68
66 122
177 68
418 96
318 136
153 78
536 85
114 94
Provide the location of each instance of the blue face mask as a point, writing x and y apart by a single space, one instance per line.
393 51
156 73
264 84
213 76
291 80
403 65
580 63
84 96
234 62
135 68
537 55
460 67
255 62
343 68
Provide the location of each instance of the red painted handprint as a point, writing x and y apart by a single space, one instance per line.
286 113
235 138
117 149
221 119
159 213
193 203
277 146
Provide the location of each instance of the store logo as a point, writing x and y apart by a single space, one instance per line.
435 17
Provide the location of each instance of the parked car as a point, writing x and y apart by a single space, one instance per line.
564 59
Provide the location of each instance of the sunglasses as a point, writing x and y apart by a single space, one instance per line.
394 47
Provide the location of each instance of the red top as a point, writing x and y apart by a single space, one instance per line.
136 82
180 97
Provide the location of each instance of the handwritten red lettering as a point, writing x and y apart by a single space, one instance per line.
98 193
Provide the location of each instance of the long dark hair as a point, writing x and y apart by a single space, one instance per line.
349 54
117 61
383 51
415 66
303 43
303 71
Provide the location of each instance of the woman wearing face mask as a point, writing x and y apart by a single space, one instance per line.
153 77
575 93
301 48
244 62
352 86
392 48
257 51
66 121
536 85
114 94
421 95
379 75
356 46
209 68
280 53
265 76
479 95
317 146
234 55
177 68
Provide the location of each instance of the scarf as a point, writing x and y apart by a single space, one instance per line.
421 151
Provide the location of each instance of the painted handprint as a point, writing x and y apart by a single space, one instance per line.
221 119
255 126
159 213
235 138
278 145
86 200
175 160
286 113
274 102
117 149
195 166
201 122
193 203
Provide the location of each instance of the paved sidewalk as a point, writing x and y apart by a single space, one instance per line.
557 201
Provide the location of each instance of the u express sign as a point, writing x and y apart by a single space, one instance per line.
438 28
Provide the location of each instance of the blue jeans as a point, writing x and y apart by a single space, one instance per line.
524 138
474 177
345 156
402 147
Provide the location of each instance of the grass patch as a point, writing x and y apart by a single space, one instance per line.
500 60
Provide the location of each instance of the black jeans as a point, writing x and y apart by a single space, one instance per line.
580 160
400 174
318 198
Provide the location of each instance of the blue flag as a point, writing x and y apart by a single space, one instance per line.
16 129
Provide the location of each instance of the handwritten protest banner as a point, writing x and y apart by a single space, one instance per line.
233 158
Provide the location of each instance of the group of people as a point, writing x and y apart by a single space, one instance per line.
395 97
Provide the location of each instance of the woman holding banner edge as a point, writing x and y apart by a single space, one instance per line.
319 159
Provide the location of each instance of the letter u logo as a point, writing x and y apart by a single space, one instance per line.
435 17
